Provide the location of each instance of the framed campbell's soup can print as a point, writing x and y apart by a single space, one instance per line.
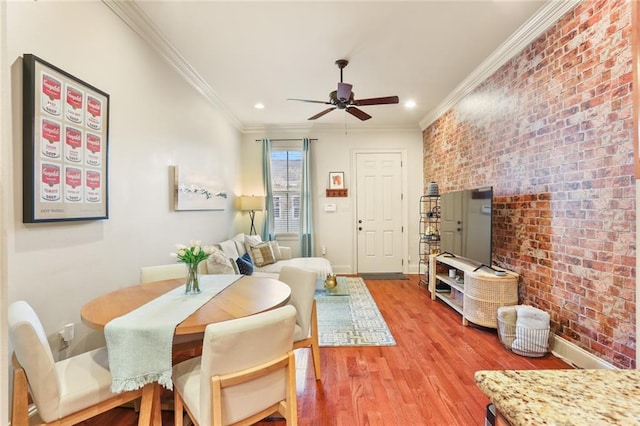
66 141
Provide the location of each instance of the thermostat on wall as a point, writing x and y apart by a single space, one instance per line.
329 207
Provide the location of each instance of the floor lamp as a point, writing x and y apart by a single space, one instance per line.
251 204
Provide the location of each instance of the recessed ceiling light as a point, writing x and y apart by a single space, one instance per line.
410 104
259 105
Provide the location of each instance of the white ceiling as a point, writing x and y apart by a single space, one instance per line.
239 53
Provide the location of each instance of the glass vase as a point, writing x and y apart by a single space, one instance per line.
192 285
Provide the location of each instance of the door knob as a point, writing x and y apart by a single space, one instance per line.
360 221
359 228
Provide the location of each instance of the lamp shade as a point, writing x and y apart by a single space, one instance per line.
252 203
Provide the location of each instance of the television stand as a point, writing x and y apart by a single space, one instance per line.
475 293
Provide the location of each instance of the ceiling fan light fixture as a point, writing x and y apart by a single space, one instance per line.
259 105
343 98
410 104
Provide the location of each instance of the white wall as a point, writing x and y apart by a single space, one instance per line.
333 151
4 172
157 120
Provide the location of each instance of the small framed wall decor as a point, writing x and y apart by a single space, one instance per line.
336 180
194 190
66 135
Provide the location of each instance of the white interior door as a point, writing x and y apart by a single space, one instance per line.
379 212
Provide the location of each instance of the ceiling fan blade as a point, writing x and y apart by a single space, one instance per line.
377 101
358 113
310 101
320 114
344 91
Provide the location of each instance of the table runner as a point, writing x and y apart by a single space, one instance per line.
140 343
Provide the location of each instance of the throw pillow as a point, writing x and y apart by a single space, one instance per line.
250 241
275 248
218 263
229 248
244 264
236 270
262 254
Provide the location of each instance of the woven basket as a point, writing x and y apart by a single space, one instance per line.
531 342
484 295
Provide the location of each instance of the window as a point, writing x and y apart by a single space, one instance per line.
286 184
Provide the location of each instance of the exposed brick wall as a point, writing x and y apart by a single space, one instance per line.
551 131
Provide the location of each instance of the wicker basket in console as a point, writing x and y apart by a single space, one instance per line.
484 294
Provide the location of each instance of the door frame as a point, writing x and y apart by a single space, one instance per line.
354 204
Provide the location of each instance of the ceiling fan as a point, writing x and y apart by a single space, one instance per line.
344 98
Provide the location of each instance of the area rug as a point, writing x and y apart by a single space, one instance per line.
385 276
352 320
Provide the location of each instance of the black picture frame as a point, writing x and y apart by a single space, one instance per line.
65 146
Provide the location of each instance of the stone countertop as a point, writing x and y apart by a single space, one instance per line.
564 397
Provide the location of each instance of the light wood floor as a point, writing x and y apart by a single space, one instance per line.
427 379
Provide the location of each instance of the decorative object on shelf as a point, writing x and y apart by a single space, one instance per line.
330 281
431 234
336 180
432 189
194 190
65 146
251 204
191 256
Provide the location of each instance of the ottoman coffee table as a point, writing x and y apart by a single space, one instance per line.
341 288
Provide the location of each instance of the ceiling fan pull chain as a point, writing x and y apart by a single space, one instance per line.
345 123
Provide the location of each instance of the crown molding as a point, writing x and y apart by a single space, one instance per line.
258 128
136 19
547 16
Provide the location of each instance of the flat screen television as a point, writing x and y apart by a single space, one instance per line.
465 227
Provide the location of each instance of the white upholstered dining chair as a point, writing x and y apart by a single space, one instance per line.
303 286
64 392
162 272
190 344
246 372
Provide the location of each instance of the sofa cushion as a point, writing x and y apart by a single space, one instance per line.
275 248
251 241
244 264
320 265
262 254
229 248
219 263
238 241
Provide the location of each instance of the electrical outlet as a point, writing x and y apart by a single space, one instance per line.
68 332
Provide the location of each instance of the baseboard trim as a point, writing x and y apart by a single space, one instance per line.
576 356
342 269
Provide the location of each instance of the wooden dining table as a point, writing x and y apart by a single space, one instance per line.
247 296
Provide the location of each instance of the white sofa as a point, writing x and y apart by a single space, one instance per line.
228 251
